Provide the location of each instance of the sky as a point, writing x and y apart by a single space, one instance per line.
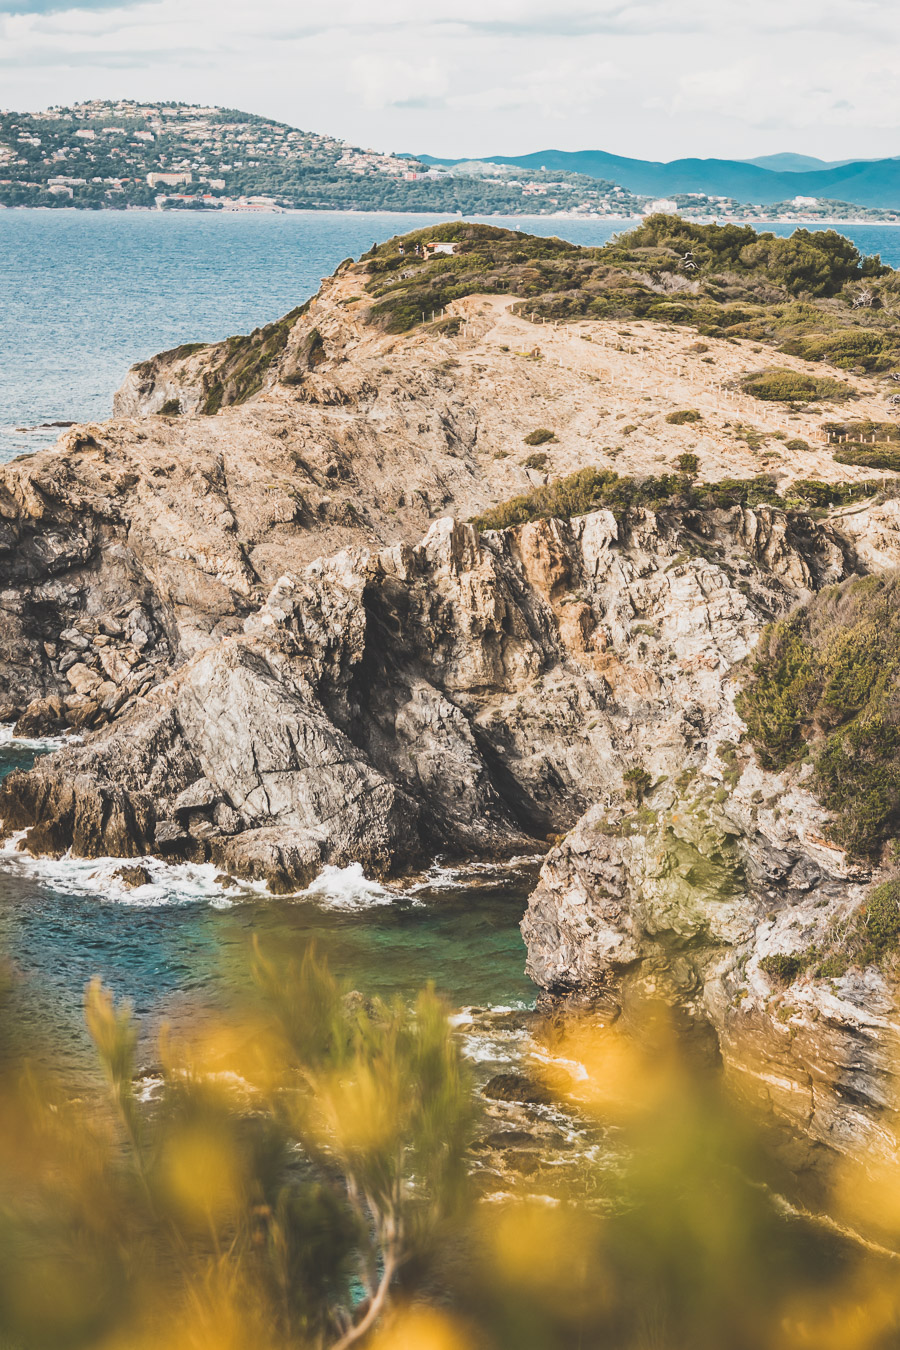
655 79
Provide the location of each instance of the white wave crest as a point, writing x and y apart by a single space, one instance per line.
172 883
168 884
347 888
45 743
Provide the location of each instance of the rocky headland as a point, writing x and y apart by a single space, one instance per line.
258 595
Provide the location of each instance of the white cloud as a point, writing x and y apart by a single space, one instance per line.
643 77
386 81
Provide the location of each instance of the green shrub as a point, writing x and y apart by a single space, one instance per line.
783 967
829 677
552 279
869 456
796 444
791 386
637 783
685 415
171 408
848 348
590 489
812 494
239 365
870 937
863 431
688 464
536 461
541 436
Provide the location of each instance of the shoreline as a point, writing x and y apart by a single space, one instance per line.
209 212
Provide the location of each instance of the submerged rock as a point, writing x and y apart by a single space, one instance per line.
132 877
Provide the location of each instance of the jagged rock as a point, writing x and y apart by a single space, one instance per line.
227 819
73 638
43 717
169 834
132 877
300 666
454 696
684 897
516 1087
198 794
82 679
117 662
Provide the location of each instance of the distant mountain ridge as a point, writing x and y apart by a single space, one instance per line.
871 183
791 163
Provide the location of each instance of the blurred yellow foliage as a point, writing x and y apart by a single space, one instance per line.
301 1181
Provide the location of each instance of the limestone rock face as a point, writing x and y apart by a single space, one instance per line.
684 896
473 695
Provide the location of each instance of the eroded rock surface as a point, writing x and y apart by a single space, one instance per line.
473 694
684 896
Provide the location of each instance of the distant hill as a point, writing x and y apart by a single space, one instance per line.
122 155
871 183
125 155
790 163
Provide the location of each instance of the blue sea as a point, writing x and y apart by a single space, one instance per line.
83 295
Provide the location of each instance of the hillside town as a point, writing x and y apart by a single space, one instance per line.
130 155
127 155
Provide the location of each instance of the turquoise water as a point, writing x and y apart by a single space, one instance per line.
85 294
183 941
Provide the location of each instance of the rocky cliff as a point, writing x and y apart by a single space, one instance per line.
472 694
254 595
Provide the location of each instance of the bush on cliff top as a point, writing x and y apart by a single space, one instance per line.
826 681
848 348
591 489
540 436
885 457
729 278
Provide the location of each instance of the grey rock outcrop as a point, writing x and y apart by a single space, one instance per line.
686 895
471 695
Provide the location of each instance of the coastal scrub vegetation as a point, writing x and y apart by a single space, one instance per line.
885 457
592 489
864 349
302 1179
540 436
792 386
683 416
868 936
801 293
825 684
243 362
